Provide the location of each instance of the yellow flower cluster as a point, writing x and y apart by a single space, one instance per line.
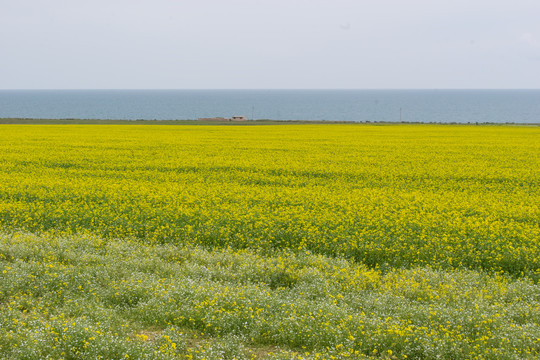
389 196
274 242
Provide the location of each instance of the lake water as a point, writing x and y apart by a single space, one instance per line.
497 106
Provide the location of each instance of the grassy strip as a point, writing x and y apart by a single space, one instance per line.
83 297
23 121
30 121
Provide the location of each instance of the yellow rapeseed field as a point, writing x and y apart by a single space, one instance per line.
446 196
278 242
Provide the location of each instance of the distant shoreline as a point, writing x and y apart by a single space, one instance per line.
33 121
422 106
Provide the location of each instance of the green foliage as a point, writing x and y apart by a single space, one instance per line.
81 297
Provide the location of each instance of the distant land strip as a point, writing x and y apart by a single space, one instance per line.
31 121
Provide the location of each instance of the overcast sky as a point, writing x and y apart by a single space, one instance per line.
269 44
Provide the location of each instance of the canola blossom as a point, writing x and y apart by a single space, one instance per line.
394 196
269 242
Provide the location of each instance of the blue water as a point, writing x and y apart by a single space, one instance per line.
498 106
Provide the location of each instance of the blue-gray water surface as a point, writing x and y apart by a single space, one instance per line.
462 106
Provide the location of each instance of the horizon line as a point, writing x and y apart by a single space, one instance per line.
255 89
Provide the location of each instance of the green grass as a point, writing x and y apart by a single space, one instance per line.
29 121
83 297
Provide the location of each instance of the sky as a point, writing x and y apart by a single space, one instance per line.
269 44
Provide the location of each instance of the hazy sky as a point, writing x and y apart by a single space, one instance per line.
258 44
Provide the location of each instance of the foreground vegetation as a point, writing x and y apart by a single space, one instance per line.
85 297
312 241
